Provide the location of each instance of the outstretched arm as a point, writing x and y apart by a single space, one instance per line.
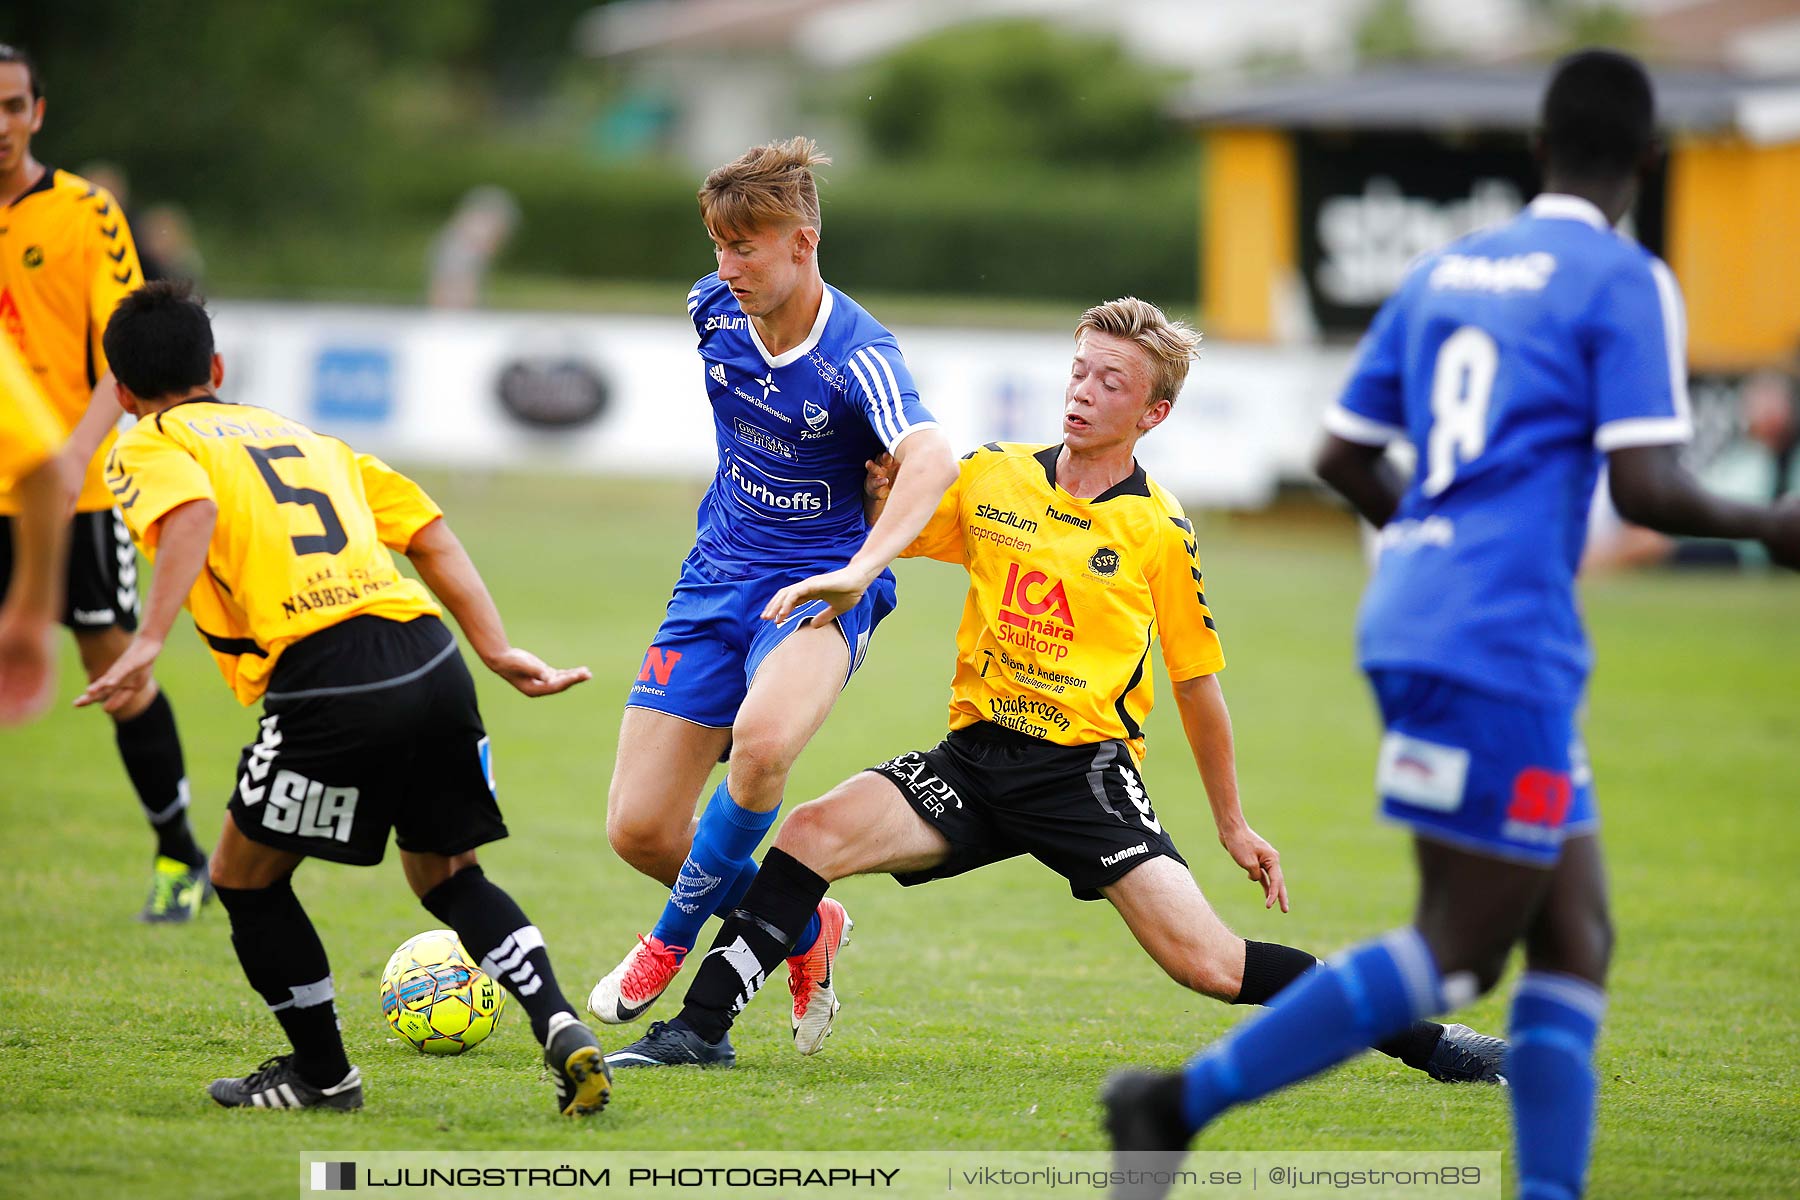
925 468
1651 488
1207 723
451 575
181 536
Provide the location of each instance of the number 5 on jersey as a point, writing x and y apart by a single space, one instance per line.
331 539
1462 383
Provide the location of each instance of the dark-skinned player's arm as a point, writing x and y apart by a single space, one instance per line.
447 569
181 537
1362 475
1651 488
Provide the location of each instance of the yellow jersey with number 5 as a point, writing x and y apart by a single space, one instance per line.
304 530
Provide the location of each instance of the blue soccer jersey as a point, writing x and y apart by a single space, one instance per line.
794 430
1512 360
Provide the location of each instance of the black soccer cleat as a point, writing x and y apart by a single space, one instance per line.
1149 1136
673 1044
176 892
572 1052
1464 1056
276 1084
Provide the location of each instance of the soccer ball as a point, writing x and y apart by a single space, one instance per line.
436 997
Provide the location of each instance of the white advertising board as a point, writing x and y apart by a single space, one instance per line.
433 388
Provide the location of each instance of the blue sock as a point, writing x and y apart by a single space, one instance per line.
733 895
808 936
1363 996
725 841
1555 1019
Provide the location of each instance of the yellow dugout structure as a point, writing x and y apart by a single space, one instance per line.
1314 196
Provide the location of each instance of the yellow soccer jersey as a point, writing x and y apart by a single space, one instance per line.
29 431
1065 597
302 538
66 260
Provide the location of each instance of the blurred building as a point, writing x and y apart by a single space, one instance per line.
705 78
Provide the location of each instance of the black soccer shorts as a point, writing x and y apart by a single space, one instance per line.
101 588
367 726
995 793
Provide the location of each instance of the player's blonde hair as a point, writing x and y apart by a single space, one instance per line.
1171 345
768 185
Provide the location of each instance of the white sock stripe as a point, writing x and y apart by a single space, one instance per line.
174 808
502 959
531 989
311 995
1566 990
1413 958
500 964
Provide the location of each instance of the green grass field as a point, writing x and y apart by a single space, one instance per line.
981 1012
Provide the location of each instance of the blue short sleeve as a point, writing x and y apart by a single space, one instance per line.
1637 331
882 387
1371 411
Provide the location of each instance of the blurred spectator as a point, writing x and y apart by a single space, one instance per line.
1762 466
466 247
165 239
166 245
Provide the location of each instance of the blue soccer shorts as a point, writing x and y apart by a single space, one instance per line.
713 638
1479 772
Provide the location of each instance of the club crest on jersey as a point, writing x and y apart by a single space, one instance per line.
816 416
34 256
1104 562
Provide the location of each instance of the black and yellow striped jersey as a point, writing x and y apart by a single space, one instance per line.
66 260
1066 596
303 535
29 430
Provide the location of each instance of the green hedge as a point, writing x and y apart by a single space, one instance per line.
1049 236
1043 236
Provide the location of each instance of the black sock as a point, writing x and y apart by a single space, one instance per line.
151 750
754 939
1413 1045
494 929
285 962
1270 966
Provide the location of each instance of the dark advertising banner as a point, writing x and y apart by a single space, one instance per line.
1370 203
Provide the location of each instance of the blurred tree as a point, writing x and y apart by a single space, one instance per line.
284 107
1389 31
1016 92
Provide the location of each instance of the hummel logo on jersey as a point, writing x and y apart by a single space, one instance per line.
718 373
1068 518
768 384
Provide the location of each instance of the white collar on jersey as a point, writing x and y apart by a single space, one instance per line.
805 347
1568 208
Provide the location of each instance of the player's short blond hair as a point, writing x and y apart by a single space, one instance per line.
1170 345
768 185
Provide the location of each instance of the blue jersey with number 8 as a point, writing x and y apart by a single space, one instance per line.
1511 360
